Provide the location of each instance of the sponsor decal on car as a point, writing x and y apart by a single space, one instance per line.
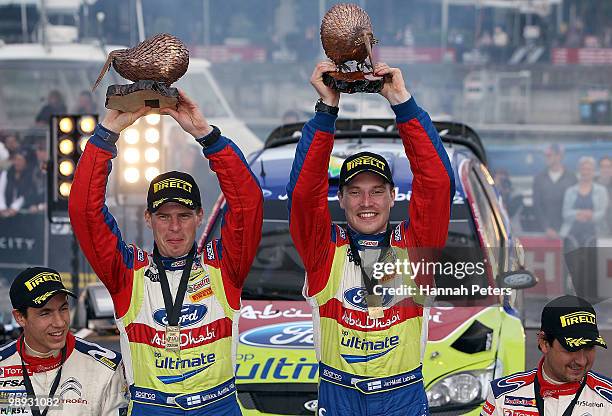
276 369
293 335
190 315
311 405
270 312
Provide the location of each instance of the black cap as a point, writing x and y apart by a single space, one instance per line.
173 186
33 287
364 162
573 322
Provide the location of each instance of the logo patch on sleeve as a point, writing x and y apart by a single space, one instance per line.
488 408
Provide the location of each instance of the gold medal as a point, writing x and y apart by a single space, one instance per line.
375 308
173 338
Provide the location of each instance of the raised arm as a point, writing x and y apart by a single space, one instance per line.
433 185
243 218
94 226
309 217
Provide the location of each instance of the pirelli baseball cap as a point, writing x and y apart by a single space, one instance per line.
573 322
35 286
364 162
173 186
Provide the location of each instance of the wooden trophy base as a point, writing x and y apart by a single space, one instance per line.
132 97
352 82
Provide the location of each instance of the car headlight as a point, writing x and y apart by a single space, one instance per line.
461 388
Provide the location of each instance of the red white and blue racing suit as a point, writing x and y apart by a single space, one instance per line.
367 366
198 379
514 395
92 382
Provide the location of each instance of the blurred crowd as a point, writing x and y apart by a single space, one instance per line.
289 31
571 203
24 156
23 179
571 206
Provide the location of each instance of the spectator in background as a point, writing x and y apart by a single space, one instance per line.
605 179
4 154
36 198
15 186
575 35
584 207
86 104
55 105
11 143
549 189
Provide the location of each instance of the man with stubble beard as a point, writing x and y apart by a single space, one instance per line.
563 384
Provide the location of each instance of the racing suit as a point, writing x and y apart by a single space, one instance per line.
198 379
514 396
92 380
367 366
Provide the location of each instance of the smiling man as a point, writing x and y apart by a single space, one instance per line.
176 309
369 346
563 384
48 366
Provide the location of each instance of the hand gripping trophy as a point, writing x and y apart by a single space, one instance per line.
347 38
153 65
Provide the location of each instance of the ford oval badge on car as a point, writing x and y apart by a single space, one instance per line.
293 335
190 315
311 405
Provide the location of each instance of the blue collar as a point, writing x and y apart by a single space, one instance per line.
368 241
175 263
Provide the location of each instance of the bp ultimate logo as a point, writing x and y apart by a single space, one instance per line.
369 349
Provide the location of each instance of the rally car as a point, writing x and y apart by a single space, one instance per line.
472 339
